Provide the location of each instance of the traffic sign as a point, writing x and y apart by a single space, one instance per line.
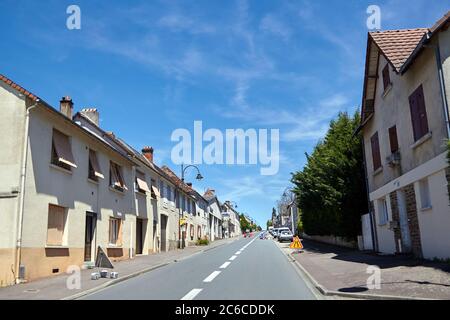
296 244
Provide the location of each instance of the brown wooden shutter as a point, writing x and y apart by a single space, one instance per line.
55 225
376 156
386 77
393 140
418 113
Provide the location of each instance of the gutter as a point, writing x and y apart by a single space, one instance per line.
22 192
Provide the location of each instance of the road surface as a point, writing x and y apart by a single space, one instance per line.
246 269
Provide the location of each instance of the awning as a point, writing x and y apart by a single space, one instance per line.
63 149
142 185
95 165
156 191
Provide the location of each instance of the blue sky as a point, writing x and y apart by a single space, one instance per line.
151 67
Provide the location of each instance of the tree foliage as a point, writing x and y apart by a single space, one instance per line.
331 189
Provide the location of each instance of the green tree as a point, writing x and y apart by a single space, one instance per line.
269 224
331 190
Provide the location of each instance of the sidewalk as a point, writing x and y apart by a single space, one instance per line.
54 288
343 271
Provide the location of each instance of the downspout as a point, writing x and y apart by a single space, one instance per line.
23 173
437 52
372 220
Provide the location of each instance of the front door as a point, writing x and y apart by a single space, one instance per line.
139 226
89 235
163 233
404 223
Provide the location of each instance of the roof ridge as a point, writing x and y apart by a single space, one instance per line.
18 87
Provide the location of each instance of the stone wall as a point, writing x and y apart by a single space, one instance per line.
411 209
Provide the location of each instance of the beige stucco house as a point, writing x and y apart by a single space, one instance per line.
65 190
405 126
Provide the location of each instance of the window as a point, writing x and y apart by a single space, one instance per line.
418 113
386 77
199 232
183 203
393 140
154 191
425 198
383 216
376 156
169 192
61 151
161 188
116 178
55 225
94 167
192 231
115 231
140 183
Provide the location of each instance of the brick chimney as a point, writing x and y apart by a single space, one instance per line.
92 114
148 153
66 106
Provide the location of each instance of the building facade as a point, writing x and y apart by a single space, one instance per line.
404 128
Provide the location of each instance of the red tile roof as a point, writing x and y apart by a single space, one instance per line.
17 87
398 45
176 180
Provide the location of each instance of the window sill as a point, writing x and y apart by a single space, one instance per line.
54 166
378 171
114 246
56 247
422 140
93 181
386 92
116 191
427 209
142 193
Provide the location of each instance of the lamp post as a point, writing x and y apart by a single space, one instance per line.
182 229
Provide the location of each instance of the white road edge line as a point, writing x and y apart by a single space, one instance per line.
211 277
225 265
192 294
233 258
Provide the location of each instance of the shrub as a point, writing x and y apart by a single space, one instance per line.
203 242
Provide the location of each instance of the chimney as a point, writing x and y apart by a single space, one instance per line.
66 106
148 153
92 114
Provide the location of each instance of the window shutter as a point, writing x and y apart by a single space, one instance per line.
393 140
376 157
55 226
94 162
386 77
418 113
423 120
63 149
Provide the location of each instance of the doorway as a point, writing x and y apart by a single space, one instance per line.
163 233
139 235
404 223
91 222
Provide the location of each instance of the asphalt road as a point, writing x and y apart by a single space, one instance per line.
246 269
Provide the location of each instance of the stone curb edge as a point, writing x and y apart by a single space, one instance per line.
133 275
328 293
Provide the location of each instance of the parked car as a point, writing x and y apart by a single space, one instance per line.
279 230
285 235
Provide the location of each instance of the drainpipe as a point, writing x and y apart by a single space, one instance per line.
437 53
23 173
372 220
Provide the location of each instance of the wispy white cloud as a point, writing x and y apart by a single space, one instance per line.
177 23
271 24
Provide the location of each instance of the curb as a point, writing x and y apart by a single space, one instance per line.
366 296
136 274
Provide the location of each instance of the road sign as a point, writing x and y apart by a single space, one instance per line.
183 221
296 244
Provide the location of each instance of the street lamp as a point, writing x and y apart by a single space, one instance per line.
182 229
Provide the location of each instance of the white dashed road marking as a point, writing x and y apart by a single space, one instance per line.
233 258
211 277
192 294
225 265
